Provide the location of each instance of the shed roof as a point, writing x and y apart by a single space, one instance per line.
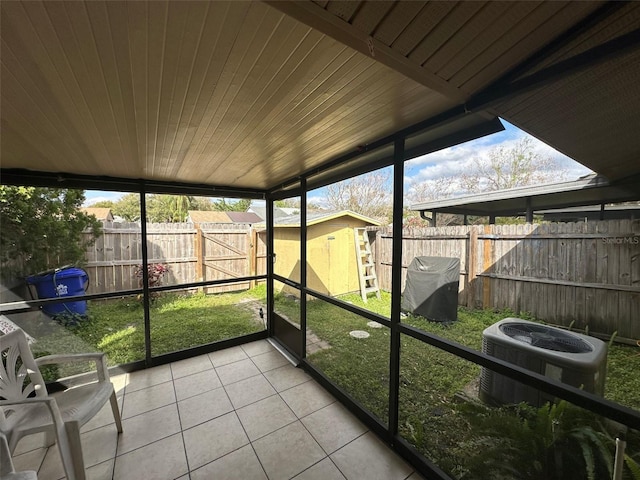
315 218
101 213
588 190
254 94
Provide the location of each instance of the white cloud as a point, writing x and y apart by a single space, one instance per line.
92 197
453 161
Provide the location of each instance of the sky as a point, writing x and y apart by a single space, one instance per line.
449 162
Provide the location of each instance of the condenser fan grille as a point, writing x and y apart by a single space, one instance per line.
545 337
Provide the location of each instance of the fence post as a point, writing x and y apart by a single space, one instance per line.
472 255
487 264
199 248
252 255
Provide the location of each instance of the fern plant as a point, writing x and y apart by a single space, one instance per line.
557 441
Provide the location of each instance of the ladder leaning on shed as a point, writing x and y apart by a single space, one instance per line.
366 267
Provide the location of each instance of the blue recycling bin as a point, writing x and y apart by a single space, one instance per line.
63 282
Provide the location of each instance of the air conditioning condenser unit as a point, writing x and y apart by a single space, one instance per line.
572 358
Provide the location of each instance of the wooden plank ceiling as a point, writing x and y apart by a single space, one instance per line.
251 94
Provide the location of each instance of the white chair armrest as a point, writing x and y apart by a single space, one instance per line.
98 357
49 401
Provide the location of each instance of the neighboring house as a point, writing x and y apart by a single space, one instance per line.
208 216
103 214
278 212
214 216
244 217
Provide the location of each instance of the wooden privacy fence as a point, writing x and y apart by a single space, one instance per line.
584 275
207 251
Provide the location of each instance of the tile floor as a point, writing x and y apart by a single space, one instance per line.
241 413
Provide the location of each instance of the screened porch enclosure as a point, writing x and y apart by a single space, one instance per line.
273 101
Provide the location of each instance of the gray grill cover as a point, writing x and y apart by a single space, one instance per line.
431 288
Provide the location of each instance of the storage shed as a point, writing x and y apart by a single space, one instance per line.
332 266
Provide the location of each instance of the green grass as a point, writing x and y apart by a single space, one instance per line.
430 416
116 327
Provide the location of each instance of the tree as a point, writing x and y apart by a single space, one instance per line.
42 229
202 203
128 207
427 191
512 167
103 204
241 205
168 208
368 194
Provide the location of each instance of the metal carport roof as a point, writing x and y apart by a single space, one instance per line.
588 190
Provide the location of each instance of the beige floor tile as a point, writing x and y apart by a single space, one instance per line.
31 460
147 399
213 439
234 372
249 390
197 383
148 378
269 361
323 470
119 382
161 460
367 457
306 398
190 366
415 476
51 468
287 452
102 471
99 445
333 427
256 348
103 417
147 428
228 355
30 442
204 407
285 377
265 416
241 464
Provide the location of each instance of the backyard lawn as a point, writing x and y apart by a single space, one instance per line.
446 426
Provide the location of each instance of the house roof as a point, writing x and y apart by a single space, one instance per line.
261 211
587 190
254 94
244 217
315 218
209 216
101 213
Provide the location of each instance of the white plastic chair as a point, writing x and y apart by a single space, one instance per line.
27 408
7 471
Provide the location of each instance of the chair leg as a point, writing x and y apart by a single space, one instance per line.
116 411
71 452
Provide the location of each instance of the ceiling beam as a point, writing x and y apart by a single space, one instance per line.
607 51
323 21
562 41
